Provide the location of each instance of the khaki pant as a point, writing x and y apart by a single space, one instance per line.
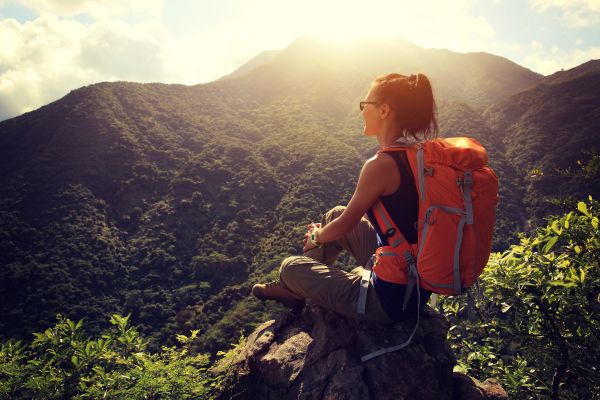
311 276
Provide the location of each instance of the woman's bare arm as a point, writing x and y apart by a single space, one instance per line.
374 179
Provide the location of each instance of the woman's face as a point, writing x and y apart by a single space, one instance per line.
371 116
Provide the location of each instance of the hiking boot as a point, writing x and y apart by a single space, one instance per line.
279 292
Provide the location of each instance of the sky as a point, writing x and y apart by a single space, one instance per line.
50 47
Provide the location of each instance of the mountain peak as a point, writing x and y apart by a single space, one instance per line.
588 68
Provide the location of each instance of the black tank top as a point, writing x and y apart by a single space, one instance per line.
403 204
403 207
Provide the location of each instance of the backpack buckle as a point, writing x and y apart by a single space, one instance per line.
428 217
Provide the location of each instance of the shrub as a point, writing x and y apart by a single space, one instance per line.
533 321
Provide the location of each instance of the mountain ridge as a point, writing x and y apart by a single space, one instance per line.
186 195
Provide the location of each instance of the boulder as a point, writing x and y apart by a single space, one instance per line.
316 354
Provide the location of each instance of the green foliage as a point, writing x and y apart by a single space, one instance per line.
535 319
63 362
226 370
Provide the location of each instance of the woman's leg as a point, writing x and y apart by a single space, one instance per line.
361 242
312 277
330 288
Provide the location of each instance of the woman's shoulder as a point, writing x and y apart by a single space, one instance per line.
380 160
379 167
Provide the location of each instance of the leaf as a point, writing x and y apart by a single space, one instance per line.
595 222
555 228
460 369
88 347
549 244
181 338
582 207
505 307
562 283
577 249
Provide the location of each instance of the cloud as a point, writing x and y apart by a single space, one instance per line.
96 9
549 61
116 49
41 60
574 13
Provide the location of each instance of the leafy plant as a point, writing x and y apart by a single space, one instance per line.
534 319
62 362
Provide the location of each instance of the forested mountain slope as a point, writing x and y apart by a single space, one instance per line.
546 130
168 201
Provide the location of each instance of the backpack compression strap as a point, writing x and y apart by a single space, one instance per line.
391 349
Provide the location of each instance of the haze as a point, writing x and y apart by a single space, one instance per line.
50 47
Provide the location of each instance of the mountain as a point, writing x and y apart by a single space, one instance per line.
589 68
262 58
547 131
478 79
168 202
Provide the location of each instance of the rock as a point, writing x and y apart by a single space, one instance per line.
467 388
316 354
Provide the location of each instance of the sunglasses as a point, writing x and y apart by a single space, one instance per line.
362 104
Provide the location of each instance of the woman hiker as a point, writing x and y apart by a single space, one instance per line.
397 110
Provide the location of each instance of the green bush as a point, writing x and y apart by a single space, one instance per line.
62 362
533 321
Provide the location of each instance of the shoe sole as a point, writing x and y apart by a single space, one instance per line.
288 303
293 304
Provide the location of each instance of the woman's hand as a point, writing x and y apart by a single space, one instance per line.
308 245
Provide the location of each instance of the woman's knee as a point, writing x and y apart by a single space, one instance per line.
333 213
288 265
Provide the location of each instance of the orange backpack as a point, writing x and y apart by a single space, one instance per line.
458 194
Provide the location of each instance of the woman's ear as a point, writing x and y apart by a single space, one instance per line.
384 111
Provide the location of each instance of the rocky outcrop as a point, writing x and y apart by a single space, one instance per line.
315 354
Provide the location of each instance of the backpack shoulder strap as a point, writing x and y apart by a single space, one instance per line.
387 224
416 153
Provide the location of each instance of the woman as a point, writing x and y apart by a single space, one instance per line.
397 110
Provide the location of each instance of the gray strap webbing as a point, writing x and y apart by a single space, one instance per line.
470 306
451 210
421 172
456 272
403 345
386 221
439 285
467 188
425 229
388 224
396 243
364 286
412 277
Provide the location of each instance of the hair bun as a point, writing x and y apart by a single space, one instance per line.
413 80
